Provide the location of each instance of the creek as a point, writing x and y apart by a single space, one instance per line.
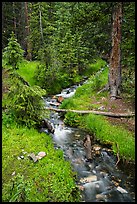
99 180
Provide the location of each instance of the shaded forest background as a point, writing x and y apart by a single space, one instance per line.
67 37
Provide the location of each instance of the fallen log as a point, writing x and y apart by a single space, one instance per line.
109 114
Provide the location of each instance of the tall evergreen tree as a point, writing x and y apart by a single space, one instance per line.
28 43
13 53
67 36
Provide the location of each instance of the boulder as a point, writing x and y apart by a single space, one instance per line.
48 125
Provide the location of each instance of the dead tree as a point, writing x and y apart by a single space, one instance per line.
87 143
115 57
109 114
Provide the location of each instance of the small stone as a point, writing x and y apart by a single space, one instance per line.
94 171
54 97
101 196
33 157
24 152
77 135
38 157
121 190
89 179
80 187
18 158
101 108
96 148
103 173
103 98
97 152
97 186
115 183
41 154
22 157
13 173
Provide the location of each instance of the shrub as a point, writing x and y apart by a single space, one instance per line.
25 102
73 119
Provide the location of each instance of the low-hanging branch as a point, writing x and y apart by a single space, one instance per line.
110 114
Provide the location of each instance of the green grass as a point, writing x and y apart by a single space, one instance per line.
27 70
106 132
102 129
49 179
82 98
95 66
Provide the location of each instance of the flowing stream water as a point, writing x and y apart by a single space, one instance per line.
99 180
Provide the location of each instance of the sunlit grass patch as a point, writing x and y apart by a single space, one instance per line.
49 179
27 70
106 132
95 66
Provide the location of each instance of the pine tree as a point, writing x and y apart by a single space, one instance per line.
13 53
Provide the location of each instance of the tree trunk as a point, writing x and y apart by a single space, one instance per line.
40 20
115 57
23 24
29 55
87 142
14 16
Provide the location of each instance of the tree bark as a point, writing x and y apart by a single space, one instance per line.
110 114
29 55
14 16
115 57
40 20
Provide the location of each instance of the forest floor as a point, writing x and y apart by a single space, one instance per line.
119 105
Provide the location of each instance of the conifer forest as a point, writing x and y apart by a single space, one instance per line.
68 101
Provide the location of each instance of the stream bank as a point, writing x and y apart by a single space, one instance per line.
99 179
